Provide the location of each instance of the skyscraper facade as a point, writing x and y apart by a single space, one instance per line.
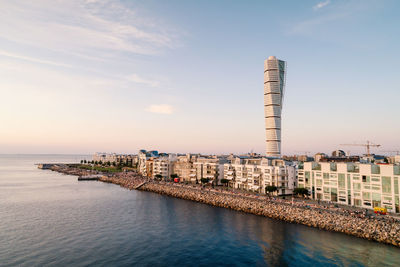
274 85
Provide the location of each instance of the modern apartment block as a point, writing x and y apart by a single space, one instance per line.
129 160
274 85
163 165
356 184
144 162
255 174
184 168
211 168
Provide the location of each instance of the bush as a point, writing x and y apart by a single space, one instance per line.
204 180
270 188
301 191
224 181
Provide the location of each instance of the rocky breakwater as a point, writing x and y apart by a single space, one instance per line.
381 229
129 180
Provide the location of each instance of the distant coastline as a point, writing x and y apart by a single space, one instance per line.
381 229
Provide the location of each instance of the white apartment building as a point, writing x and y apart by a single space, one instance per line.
211 168
143 157
130 160
254 174
356 184
163 165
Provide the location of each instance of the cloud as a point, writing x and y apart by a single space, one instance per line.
137 79
32 59
321 5
161 109
89 28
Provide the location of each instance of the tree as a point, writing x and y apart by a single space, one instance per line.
113 163
270 188
108 163
81 161
301 191
158 177
96 162
173 176
84 161
225 181
100 162
204 180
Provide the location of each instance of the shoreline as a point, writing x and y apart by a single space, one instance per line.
384 230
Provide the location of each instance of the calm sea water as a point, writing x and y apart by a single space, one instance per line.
49 219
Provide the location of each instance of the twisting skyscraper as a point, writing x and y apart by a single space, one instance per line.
274 85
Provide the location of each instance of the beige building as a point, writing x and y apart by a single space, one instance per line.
255 174
163 165
184 167
356 184
211 168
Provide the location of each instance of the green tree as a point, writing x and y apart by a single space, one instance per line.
100 162
270 189
225 181
301 191
114 163
81 161
84 161
204 180
174 175
158 177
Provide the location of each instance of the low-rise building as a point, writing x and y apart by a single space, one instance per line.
119 159
255 174
183 167
163 166
211 168
145 167
356 184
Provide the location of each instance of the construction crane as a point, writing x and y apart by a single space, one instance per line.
368 146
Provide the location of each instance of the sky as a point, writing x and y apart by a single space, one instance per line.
187 76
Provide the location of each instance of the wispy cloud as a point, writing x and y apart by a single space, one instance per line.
161 109
32 59
321 5
137 79
82 27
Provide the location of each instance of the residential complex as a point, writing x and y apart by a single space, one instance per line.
255 174
274 85
349 183
128 160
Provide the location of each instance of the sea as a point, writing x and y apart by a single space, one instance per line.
51 219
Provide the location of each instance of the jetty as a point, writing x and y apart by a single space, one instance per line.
140 185
89 178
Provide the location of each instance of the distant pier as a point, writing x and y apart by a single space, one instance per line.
89 178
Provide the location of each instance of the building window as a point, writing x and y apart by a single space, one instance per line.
365 179
357 186
342 181
386 185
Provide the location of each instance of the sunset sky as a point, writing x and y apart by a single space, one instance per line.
187 76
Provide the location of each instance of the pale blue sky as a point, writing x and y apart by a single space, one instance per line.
187 76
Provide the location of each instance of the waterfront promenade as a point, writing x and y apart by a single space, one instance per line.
384 229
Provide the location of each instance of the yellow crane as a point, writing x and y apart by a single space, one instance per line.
368 146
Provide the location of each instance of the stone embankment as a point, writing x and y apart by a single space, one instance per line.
382 229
